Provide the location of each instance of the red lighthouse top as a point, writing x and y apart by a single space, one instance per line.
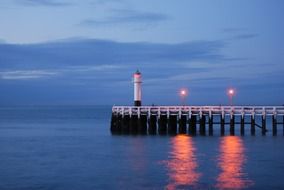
137 73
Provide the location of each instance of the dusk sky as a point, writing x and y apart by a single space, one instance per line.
85 51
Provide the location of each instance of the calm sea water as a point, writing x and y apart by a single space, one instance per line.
71 147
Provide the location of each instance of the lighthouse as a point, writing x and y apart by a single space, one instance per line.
137 80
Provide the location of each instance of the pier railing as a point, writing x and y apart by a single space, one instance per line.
199 110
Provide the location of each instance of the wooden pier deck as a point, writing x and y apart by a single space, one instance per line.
186 119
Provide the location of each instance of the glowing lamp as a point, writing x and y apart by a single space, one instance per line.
231 92
183 92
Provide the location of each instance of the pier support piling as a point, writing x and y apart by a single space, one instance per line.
119 124
263 122
152 125
274 125
125 124
134 124
252 126
163 124
202 123
210 125
242 125
172 127
192 125
182 124
222 125
232 125
142 124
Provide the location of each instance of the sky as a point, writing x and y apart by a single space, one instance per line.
84 52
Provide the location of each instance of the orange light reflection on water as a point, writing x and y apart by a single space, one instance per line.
182 165
231 162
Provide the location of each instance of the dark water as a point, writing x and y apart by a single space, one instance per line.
71 147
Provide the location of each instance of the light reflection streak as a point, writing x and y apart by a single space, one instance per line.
138 159
182 165
231 162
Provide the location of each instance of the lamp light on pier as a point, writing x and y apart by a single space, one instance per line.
231 93
183 93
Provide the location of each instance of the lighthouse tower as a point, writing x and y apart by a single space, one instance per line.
137 88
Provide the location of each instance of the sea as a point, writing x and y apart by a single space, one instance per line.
72 148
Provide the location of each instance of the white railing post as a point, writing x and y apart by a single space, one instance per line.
138 112
168 112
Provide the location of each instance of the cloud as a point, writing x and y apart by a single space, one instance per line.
123 16
92 51
104 68
99 71
96 71
103 2
53 3
244 36
239 33
85 71
103 59
25 74
233 30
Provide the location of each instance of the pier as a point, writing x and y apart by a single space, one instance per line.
193 120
